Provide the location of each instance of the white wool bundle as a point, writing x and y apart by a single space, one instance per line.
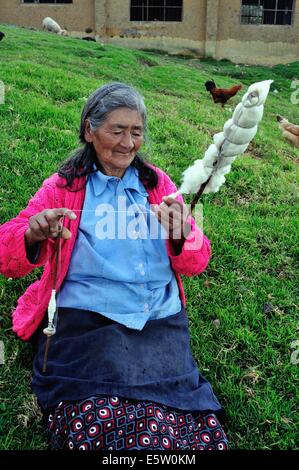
228 144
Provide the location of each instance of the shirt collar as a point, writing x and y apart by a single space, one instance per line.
130 180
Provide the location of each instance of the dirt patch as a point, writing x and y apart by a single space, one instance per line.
147 62
254 151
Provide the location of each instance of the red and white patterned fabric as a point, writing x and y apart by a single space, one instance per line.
112 423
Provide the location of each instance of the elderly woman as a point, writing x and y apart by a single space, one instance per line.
119 372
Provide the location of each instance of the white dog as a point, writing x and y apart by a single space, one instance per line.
50 25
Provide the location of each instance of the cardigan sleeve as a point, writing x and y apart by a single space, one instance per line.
13 256
196 251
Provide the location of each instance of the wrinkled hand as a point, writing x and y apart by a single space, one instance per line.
173 215
45 225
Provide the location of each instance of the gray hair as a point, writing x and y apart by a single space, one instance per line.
107 99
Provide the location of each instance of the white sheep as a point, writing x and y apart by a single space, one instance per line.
50 25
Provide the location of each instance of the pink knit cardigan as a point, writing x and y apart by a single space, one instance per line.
32 305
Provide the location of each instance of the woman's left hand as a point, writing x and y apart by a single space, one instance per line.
173 215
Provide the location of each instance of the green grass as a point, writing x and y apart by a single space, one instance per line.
251 284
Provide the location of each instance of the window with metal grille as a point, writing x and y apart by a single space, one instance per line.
47 1
156 10
279 12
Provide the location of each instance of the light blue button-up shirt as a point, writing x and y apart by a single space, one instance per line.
119 266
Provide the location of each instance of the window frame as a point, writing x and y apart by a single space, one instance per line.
276 10
156 21
49 2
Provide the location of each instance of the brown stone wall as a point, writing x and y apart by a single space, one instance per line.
230 26
255 44
192 27
209 28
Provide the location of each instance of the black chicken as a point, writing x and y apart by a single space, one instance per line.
2 35
88 38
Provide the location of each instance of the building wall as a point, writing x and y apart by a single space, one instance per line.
188 34
255 44
209 28
74 17
192 27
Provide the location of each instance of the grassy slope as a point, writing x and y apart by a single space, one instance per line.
251 221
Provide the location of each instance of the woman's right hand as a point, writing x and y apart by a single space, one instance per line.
45 225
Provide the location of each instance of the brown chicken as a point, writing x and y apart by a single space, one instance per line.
289 131
221 95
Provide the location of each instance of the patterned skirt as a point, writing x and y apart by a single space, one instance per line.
112 423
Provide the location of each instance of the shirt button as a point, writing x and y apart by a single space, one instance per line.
142 286
142 273
140 265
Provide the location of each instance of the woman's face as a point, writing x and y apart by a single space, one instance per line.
117 141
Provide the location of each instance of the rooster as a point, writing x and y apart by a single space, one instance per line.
2 35
221 95
289 131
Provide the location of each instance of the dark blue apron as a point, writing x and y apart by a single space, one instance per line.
91 354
